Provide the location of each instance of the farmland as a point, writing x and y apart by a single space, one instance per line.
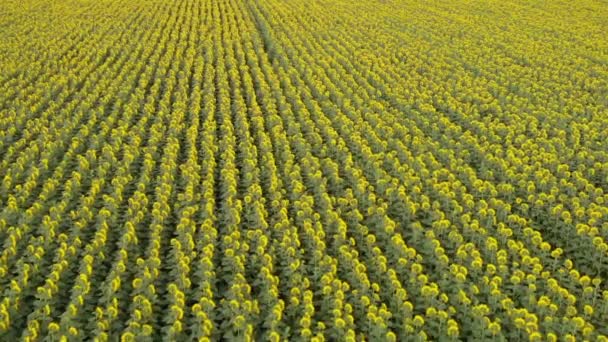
323 170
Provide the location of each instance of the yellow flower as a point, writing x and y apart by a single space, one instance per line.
588 330
520 323
571 311
147 330
556 253
418 321
274 336
494 328
535 336
579 322
453 331
306 333
127 337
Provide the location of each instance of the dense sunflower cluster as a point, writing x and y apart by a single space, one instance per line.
325 170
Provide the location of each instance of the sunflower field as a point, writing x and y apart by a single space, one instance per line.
303 170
